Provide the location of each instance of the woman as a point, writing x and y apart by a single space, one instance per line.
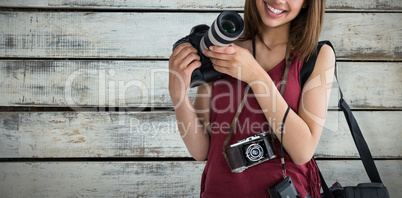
257 60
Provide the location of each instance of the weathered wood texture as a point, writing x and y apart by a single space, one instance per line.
371 36
371 85
207 5
139 84
85 83
154 134
100 179
150 179
142 33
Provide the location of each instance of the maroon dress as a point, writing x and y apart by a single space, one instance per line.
217 178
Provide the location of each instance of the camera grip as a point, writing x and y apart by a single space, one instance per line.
235 159
270 148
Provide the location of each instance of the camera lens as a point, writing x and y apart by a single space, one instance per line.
254 152
227 28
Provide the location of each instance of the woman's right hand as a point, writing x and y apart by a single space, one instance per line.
183 61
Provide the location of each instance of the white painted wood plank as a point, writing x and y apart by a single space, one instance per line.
365 36
151 35
188 5
381 130
371 85
150 179
138 84
86 134
154 134
85 83
100 179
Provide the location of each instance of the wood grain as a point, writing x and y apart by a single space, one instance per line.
133 35
127 43
364 85
150 179
100 179
380 130
155 135
139 84
207 5
134 84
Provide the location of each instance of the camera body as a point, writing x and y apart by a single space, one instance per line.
250 152
283 188
227 27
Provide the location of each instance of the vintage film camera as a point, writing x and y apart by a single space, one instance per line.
250 152
226 28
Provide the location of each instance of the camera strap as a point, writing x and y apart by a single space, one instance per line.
282 158
232 125
288 58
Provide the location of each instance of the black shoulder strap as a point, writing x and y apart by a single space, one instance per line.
357 135
361 144
308 65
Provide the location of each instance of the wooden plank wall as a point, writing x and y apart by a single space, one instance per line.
85 110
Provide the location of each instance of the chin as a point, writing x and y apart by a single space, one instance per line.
271 24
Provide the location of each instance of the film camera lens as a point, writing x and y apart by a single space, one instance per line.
254 152
224 30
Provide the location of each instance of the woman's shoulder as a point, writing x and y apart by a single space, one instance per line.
327 50
325 62
326 56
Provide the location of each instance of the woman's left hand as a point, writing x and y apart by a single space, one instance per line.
235 61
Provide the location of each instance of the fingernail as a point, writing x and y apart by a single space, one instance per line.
211 48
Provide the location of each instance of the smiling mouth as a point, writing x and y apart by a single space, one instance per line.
275 11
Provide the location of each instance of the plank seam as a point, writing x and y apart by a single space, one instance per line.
160 159
339 59
174 10
84 109
97 159
132 109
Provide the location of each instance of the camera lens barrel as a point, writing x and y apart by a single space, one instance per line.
254 152
226 28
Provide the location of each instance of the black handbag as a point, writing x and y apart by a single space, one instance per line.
373 189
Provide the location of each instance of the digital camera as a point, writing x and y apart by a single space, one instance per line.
226 28
250 152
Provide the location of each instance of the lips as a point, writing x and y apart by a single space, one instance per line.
274 11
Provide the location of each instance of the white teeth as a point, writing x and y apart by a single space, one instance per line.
273 9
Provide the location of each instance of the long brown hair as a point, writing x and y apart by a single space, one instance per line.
304 31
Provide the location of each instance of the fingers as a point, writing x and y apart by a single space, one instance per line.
184 55
190 58
194 65
222 69
222 53
224 59
231 49
181 47
184 51
219 62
